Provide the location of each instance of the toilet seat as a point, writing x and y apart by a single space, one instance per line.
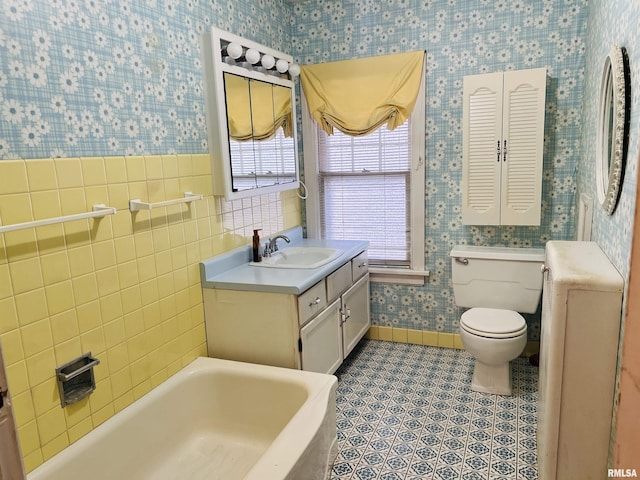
493 323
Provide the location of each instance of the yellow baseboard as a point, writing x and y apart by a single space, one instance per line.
531 348
416 337
429 338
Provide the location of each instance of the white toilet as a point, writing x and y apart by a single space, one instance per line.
495 283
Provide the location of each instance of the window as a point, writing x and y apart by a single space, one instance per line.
371 188
365 189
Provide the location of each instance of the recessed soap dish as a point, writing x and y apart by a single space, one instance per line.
76 379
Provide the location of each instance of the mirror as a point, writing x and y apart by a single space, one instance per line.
259 122
250 118
613 128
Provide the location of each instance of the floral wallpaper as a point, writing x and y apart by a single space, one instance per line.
123 77
463 38
103 77
613 233
612 22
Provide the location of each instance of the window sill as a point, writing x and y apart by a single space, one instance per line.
399 276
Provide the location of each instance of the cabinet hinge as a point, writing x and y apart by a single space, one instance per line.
300 345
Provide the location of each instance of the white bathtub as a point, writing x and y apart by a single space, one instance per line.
214 419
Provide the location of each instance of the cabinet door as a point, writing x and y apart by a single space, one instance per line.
321 341
503 134
481 148
355 311
523 137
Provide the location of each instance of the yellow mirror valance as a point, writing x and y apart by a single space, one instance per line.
255 109
360 95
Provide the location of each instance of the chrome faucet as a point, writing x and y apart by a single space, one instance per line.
272 245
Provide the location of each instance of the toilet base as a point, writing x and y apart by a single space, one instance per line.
495 379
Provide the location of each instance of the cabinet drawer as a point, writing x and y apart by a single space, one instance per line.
311 302
360 265
338 282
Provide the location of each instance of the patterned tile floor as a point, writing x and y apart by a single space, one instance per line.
406 412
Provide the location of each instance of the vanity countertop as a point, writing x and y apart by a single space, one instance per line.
232 271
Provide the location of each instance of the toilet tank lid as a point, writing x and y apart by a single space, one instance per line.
499 253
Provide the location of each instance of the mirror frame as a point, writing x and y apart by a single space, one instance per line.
214 68
612 128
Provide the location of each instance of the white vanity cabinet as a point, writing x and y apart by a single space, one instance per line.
503 134
312 331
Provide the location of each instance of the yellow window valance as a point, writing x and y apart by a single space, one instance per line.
255 109
360 95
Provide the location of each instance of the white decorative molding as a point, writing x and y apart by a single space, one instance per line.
612 130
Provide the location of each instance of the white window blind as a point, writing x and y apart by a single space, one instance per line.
364 192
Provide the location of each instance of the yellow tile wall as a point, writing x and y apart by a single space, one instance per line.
125 287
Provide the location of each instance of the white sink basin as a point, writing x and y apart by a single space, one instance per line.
299 257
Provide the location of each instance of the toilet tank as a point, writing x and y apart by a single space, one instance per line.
497 277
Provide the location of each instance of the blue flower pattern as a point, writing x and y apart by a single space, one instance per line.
99 78
91 78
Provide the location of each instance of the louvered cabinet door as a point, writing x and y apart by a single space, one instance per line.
503 133
523 136
482 144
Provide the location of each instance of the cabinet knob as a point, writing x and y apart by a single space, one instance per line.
315 302
544 269
363 264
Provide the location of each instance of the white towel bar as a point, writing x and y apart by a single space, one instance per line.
99 210
137 204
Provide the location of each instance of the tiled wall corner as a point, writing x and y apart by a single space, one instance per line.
125 287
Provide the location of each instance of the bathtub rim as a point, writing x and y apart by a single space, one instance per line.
308 419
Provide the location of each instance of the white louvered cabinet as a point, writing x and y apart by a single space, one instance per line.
503 134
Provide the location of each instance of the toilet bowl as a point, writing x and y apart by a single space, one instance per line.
493 337
495 283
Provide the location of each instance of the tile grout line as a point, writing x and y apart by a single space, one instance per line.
409 372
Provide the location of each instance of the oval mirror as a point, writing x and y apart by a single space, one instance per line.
613 129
